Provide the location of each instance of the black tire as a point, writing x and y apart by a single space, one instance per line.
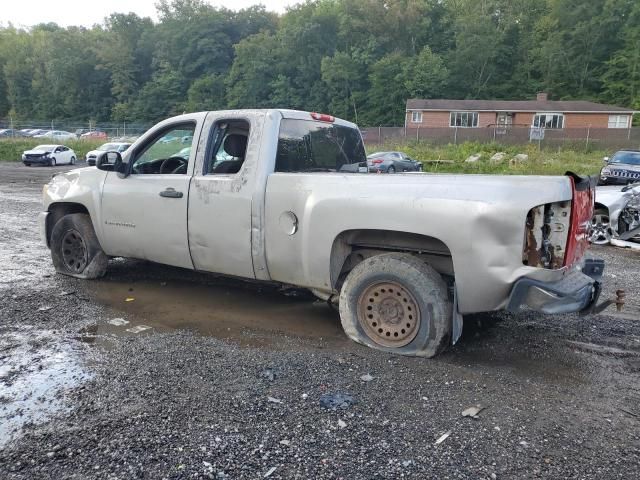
75 249
28 164
428 334
73 160
391 169
52 162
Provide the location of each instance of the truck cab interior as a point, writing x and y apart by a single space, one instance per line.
229 147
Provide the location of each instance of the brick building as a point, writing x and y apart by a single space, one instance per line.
540 113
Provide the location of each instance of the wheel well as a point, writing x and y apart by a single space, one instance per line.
59 210
600 206
353 246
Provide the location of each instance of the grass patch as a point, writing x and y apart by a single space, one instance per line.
11 149
540 162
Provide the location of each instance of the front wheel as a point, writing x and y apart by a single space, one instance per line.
73 160
396 303
75 249
52 162
601 231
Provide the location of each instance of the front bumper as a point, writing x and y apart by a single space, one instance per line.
42 227
578 291
34 160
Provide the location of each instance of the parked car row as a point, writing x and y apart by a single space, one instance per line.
54 134
52 155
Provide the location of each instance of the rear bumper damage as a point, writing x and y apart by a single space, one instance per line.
578 291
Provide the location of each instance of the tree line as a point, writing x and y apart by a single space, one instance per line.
357 59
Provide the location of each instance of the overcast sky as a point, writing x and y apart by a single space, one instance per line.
89 12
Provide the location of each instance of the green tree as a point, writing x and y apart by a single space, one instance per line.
621 78
207 93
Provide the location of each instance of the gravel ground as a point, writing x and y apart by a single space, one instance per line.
238 395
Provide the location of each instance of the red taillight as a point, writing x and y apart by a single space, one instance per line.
377 161
323 117
581 214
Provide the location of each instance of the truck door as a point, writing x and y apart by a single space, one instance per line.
222 194
145 213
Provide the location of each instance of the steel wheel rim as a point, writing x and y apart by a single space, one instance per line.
74 252
601 232
389 314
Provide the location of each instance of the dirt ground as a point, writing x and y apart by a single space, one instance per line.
198 376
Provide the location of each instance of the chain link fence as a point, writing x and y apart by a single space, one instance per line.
586 138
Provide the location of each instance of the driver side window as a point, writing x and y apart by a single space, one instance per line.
167 153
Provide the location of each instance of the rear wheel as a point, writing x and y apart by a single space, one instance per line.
391 169
73 160
75 249
396 303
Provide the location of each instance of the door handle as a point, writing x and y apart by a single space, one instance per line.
170 193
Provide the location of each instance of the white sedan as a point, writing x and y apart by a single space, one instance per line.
57 135
92 156
49 155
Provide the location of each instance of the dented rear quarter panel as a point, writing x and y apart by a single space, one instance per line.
480 218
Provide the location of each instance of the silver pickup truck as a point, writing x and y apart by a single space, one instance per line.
285 196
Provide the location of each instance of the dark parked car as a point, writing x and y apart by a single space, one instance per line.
8 133
621 169
392 162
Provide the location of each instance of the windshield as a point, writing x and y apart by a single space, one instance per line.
45 148
629 158
310 146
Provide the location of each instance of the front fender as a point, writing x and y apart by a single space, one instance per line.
81 187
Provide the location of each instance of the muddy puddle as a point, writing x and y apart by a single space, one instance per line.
36 371
246 314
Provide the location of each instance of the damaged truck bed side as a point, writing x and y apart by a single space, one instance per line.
275 195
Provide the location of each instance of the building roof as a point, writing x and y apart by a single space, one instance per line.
575 106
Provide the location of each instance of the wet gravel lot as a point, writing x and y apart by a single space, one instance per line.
201 377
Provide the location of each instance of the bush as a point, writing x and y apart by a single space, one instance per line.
11 149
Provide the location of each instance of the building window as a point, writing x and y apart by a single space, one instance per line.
463 119
618 121
416 117
548 120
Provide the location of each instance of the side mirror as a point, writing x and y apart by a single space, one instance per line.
605 159
111 162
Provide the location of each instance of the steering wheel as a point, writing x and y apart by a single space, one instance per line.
174 165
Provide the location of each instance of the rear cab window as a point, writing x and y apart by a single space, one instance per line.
313 146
